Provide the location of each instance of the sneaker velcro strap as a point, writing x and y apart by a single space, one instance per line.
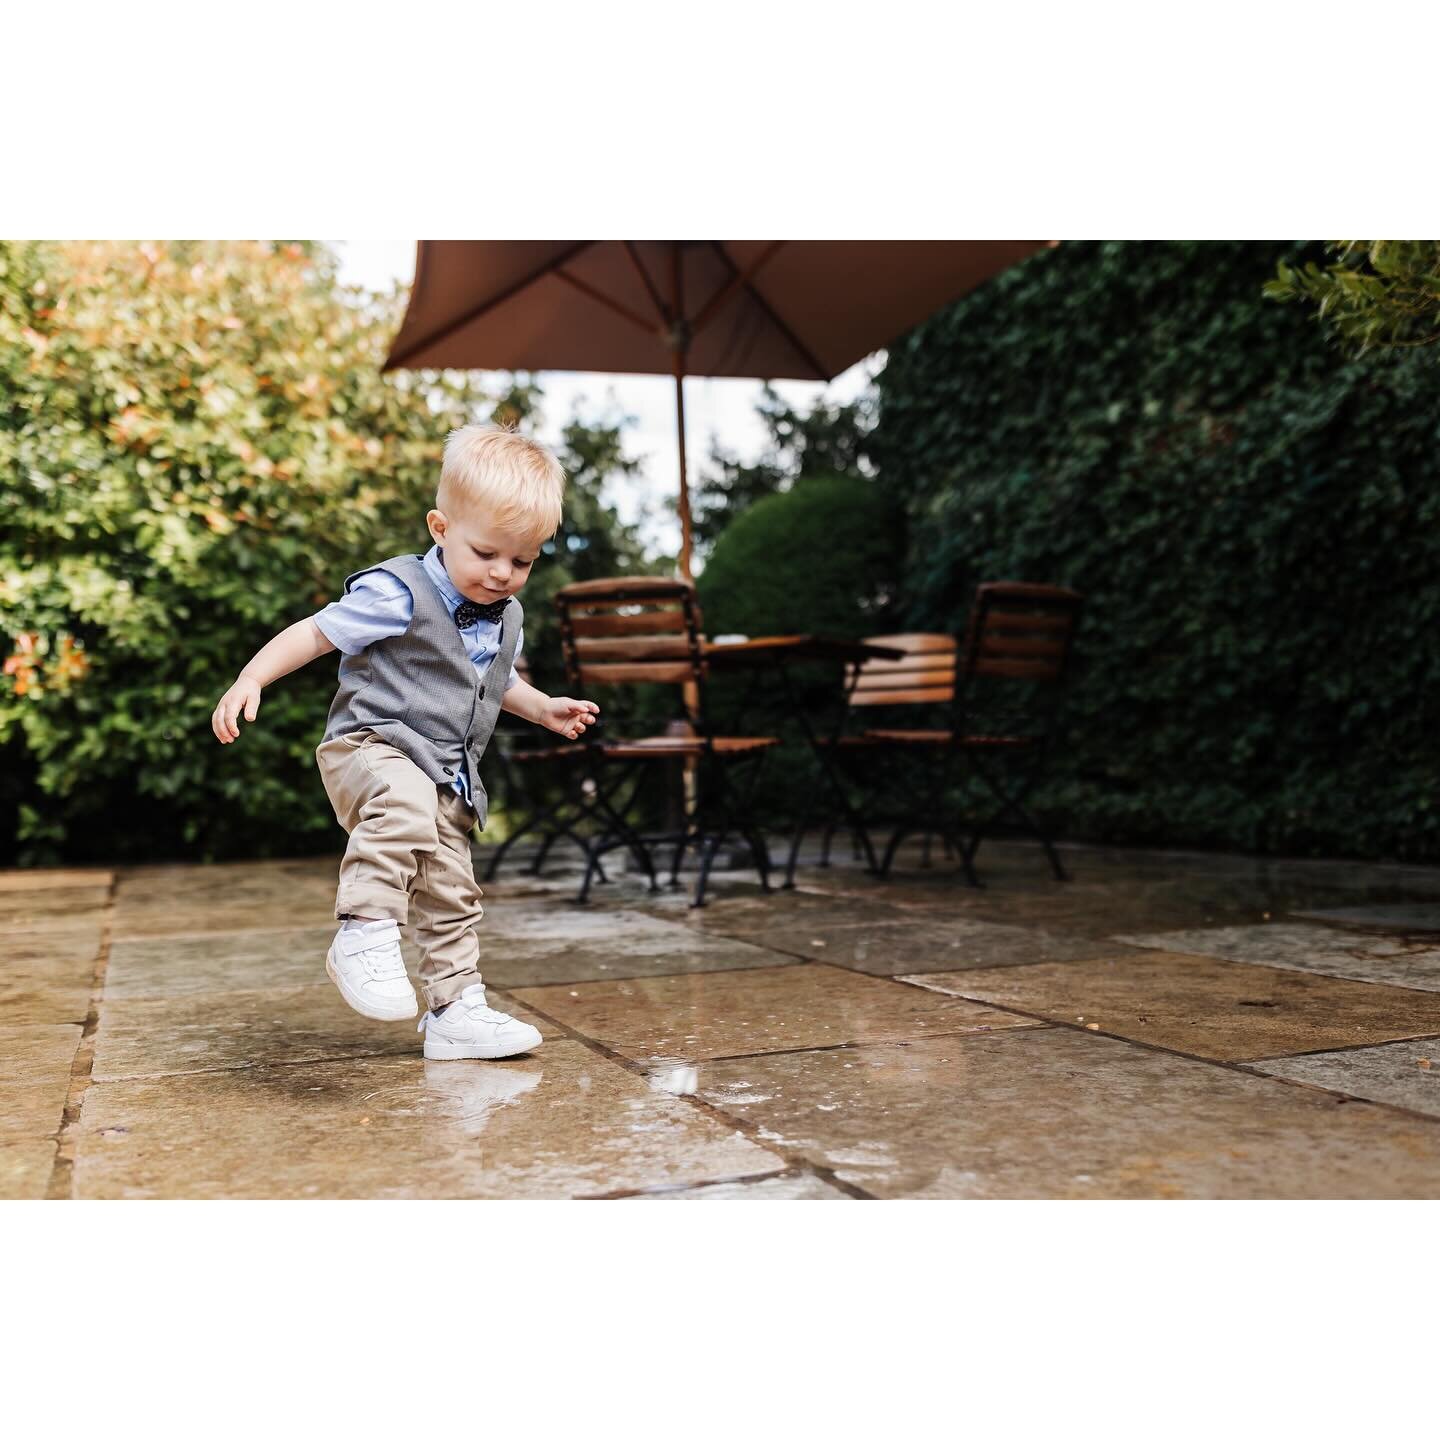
352 942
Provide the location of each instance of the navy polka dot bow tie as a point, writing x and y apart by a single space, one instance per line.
468 612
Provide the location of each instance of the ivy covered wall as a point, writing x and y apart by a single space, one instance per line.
1251 516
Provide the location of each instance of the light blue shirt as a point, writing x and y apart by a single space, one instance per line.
379 605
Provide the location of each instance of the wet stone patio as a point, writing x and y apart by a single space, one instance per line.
1165 1025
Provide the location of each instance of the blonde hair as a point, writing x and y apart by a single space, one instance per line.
516 479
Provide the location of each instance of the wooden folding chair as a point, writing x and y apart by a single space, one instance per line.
922 682
1005 686
644 631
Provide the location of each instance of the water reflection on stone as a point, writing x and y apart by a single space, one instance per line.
1166 1025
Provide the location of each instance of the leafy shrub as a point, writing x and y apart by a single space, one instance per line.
1251 515
821 557
196 447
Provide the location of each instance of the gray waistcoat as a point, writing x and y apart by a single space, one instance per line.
420 692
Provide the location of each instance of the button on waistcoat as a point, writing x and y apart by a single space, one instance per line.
420 691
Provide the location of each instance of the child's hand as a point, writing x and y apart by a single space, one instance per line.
244 695
568 717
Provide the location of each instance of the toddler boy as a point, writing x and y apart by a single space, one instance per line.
428 646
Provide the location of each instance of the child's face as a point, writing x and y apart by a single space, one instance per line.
485 561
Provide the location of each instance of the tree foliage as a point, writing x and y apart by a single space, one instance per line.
196 447
592 540
1376 294
827 439
1251 515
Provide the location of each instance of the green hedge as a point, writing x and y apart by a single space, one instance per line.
1251 516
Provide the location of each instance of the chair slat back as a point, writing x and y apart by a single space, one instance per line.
924 676
1016 653
1021 632
641 629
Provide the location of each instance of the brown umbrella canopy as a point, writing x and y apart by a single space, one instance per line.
772 309
781 310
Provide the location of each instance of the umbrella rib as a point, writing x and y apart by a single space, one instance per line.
477 311
645 280
774 319
737 278
587 289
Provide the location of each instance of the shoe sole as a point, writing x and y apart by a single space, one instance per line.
364 1007
477 1052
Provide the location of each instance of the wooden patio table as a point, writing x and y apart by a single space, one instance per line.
785 650
779 653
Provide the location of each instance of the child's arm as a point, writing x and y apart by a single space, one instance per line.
559 713
289 650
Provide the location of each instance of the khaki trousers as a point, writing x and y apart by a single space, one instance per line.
408 856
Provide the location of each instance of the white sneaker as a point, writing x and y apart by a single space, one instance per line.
470 1030
364 961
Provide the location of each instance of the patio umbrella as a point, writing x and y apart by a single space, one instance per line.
772 309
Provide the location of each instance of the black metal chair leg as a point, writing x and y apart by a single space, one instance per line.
761 852
707 859
796 840
545 845
499 855
677 858
826 838
503 849
591 866
799 834
885 864
955 845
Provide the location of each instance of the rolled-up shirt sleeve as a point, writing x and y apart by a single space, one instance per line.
377 606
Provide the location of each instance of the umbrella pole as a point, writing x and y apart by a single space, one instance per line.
685 533
690 693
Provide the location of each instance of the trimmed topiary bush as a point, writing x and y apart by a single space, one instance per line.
821 557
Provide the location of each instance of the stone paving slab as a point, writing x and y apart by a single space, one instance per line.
780 1187
38 911
41 928
1101 905
141 882
748 913
169 966
226 1064
34 881
902 947
1406 1074
562 1122
25 1168
47 980
1092 911
1203 1006
553 948
1411 919
1313 948
192 900
693 1017
1061 1114
188 1033
35 1062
